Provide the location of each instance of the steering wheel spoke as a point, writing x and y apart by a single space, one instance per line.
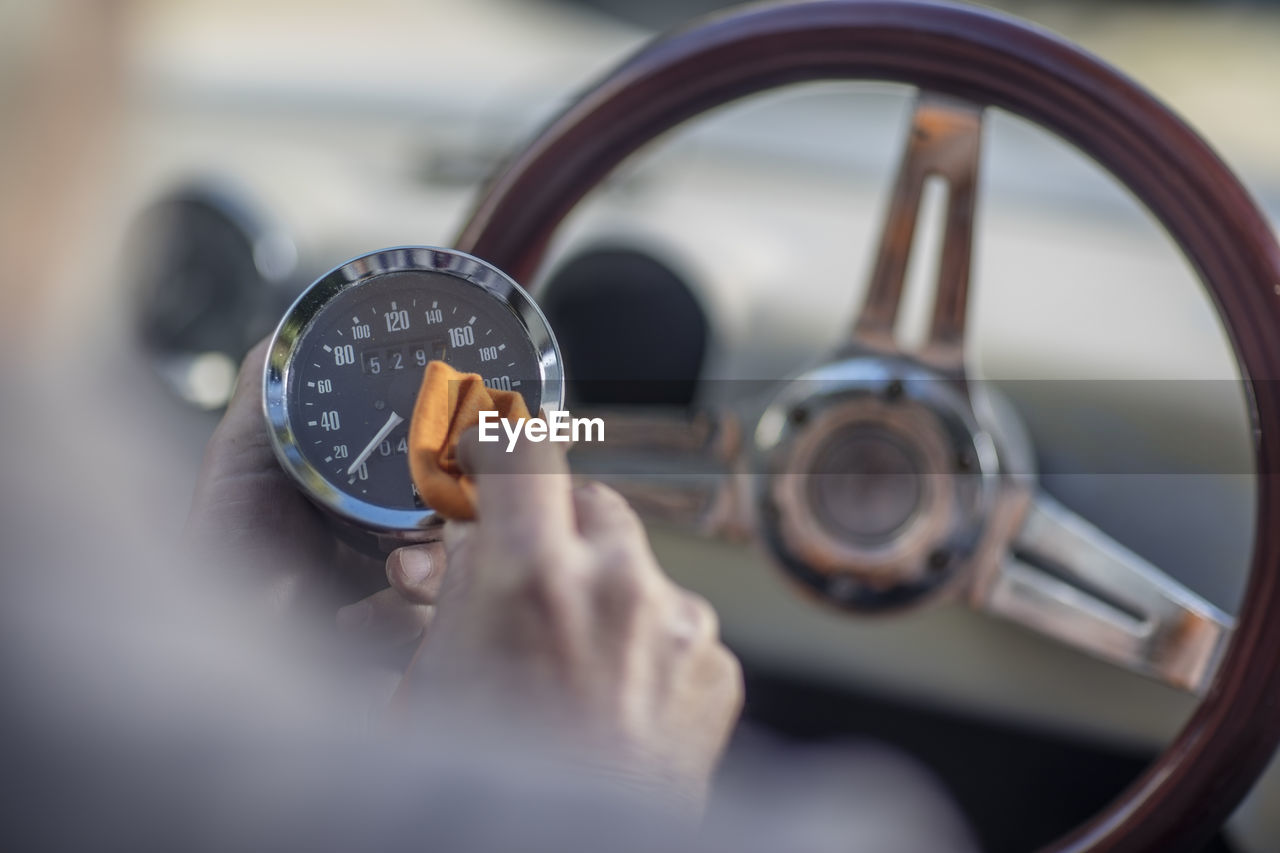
674 468
1067 579
944 141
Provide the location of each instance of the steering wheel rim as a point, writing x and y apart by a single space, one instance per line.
992 60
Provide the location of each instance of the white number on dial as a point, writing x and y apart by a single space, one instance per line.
462 336
397 321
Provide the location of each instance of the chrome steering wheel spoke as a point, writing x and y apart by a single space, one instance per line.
1064 578
677 469
944 141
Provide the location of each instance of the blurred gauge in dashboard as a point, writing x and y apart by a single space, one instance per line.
632 330
210 276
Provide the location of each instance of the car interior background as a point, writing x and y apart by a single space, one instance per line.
259 144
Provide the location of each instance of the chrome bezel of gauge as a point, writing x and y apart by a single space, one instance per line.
354 273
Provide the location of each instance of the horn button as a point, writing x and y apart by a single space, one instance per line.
866 487
878 482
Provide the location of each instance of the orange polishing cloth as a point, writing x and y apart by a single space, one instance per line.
449 404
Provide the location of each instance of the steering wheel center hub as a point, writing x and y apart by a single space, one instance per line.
868 486
877 481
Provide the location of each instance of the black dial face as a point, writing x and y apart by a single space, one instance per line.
358 365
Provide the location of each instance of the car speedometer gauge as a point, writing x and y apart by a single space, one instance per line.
346 362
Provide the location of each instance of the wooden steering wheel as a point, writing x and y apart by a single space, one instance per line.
962 61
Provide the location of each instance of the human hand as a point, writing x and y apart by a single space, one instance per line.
556 621
253 519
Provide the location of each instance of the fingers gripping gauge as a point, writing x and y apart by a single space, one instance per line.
346 362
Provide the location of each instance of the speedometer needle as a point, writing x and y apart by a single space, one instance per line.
392 422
